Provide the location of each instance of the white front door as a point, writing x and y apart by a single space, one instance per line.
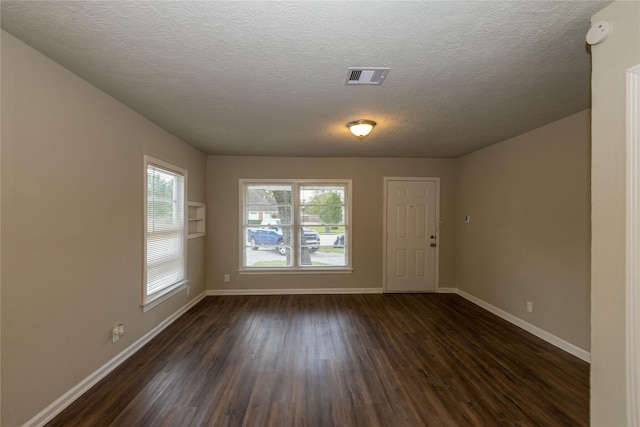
411 208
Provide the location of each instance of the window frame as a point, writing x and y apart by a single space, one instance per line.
295 268
152 300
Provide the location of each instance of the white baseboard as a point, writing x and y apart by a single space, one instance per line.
446 290
540 333
69 397
315 291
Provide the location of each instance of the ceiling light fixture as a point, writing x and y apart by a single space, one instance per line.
361 128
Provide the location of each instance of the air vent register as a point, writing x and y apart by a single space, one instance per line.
366 75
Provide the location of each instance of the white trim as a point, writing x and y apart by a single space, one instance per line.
540 333
386 179
55 408
163 295
633 246
314 291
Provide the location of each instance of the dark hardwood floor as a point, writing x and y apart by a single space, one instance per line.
340 360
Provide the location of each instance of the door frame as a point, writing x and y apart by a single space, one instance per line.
386 180
633 245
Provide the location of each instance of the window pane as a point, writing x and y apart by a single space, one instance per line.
322 204
268 218
330 252
308 193
323 211
258 216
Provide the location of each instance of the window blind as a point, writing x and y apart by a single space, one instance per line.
165 229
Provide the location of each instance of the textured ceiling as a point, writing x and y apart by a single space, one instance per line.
267 78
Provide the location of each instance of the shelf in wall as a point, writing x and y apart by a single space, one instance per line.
196 220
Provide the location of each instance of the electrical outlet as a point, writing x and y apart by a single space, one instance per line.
227 278
117 332
529 306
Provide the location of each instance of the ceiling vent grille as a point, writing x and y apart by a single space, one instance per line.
366 75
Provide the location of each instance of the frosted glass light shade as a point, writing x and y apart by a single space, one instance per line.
361 128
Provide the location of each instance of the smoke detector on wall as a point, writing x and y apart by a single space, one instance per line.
599 32
366 75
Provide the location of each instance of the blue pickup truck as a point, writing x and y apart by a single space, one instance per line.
270 234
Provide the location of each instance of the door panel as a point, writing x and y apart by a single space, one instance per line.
401 263
410 232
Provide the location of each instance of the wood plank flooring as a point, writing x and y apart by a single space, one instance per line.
340 360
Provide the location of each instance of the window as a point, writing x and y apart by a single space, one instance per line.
295 225
165 232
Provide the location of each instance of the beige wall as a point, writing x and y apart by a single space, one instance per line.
529 235
72 228
367 174
610 60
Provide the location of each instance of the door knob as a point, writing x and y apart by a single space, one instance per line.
433 245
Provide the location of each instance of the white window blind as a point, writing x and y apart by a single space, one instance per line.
165 229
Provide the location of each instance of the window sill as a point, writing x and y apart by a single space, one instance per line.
337 270
163 295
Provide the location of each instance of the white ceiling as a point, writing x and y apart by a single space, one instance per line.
267 78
